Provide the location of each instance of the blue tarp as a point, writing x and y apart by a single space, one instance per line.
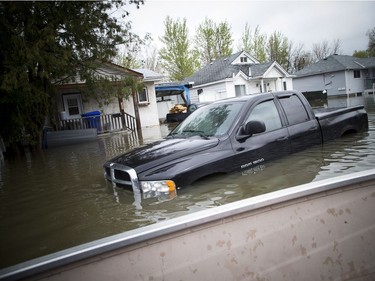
172 90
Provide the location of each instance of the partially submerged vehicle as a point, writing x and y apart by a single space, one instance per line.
230 135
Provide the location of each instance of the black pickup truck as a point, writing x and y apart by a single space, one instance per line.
230 135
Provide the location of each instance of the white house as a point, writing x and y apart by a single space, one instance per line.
337 75
148 109
237 75
72 103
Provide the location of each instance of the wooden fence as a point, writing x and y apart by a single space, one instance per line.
103 123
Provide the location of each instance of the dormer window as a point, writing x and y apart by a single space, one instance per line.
243 59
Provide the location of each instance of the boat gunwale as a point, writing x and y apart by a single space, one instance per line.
132 237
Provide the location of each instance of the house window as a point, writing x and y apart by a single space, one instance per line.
243 59
73 105
284 85
357 74
143 96
240 90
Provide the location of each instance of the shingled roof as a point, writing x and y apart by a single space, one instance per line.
336 63
223 68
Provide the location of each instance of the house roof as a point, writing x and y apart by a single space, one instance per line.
149 75
106 69
336 63
111 69
227 67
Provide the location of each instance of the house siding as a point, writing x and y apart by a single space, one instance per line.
309 84
92 105
212 92
149 113
252 88
194 96
335 83
338 84
355 85
274 73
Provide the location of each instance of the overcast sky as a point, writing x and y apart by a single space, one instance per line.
306 22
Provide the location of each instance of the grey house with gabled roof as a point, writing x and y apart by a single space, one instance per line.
236 75
337 75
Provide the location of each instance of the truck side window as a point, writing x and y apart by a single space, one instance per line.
294 109
268 113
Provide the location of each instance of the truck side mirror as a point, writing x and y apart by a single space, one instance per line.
250 128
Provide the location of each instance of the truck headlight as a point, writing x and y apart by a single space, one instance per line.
162 186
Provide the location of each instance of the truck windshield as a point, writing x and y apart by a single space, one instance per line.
210 120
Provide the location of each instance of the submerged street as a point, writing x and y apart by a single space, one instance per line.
59 198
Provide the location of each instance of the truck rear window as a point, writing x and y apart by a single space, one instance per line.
294 109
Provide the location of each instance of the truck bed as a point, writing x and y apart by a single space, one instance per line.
336 122
322 113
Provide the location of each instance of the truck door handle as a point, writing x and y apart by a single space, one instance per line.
282 138
313 129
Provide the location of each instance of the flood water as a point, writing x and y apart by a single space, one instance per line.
58 198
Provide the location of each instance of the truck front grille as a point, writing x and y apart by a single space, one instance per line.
122 176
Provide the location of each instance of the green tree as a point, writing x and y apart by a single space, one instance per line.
223 40
371 42
178 59
205 41
361 54
43 42
278 49
131 55
213 40
254 42
370 51
151 59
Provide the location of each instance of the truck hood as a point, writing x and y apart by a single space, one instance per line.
163 151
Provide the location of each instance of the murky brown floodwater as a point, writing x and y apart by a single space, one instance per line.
59 198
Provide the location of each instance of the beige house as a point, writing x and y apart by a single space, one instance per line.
78 112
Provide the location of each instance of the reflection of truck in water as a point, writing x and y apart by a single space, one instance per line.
232 134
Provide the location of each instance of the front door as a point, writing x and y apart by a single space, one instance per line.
271 144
